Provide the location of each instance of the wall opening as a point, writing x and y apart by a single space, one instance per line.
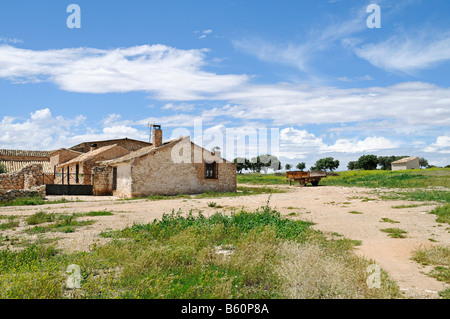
114 179
211 170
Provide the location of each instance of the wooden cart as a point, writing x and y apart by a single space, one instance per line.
304 178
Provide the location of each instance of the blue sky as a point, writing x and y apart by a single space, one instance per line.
311 71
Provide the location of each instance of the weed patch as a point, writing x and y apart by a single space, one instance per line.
241 255
443 214
395 232
355 212
439 257
388 220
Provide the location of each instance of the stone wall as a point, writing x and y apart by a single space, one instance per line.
102 180
61 156
12 194
158 174
28 177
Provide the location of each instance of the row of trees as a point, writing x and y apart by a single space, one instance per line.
366 162
371 162
267 161
324 164
258 163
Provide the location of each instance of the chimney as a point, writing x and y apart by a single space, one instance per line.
93 147
216 151
157 135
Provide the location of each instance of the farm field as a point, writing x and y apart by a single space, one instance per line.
277 242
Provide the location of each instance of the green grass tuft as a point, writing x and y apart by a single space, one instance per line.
395 232
443 213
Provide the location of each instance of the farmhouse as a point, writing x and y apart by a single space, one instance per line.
122 167
170 168
405 163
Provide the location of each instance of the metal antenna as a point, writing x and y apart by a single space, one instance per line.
150 127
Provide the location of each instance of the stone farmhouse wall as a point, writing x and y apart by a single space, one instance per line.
157 174
12 194
103 179
30 176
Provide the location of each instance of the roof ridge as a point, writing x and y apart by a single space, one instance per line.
141 152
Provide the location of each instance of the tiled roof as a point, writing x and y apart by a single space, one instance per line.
405 160
90 155
24 153
15 166
141 152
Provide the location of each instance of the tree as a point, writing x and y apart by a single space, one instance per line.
269 161
255 164
352 165
385 162
288 167
368 162
301 166
423 162
326 163
2 169
241 164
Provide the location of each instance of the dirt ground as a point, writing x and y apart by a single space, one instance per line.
328 207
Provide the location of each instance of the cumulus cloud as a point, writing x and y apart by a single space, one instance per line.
442 145
44 131
369 144
39 131
292 138
169 73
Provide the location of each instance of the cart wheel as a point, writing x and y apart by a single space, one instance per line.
314 183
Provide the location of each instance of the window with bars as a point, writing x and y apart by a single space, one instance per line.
211 170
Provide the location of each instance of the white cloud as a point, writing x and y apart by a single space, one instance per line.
43 131
355 79
442 145
370 144
295 139
301 52
407 104
300 138
179 107
408 54
10 40
40 131
170 73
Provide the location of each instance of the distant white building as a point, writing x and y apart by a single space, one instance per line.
405 163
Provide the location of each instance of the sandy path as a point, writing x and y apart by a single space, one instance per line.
327 207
